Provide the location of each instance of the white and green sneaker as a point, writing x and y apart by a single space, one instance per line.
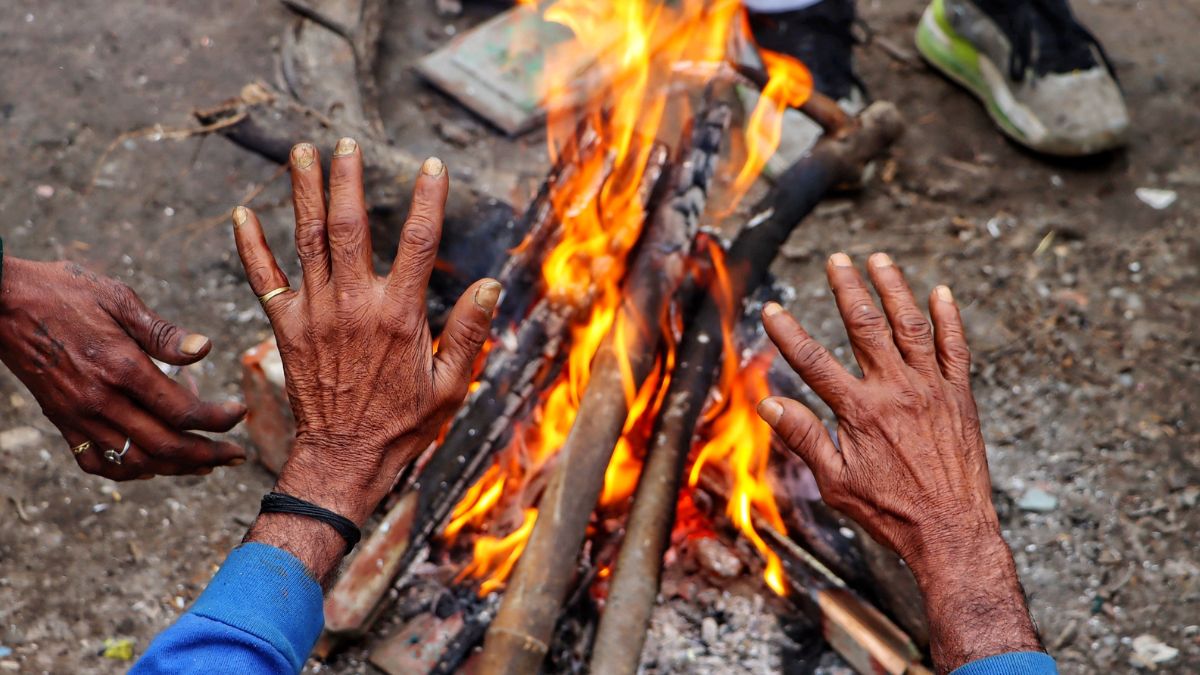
1044 79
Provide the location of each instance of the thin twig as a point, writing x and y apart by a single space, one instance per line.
176 134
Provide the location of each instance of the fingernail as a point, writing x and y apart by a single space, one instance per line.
303 155
345 146
236 461
193 344
486 296
770 410
239 216
145 476
879 260
840 259
234 407
433 167
944 294
772 309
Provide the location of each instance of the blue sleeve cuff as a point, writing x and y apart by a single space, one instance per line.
268 593
1013 663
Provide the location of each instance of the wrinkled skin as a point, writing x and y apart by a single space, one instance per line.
910 464
366 385
82 344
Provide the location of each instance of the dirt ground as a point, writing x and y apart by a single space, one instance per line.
1080 299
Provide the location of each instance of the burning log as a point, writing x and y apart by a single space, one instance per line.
839 158
518 639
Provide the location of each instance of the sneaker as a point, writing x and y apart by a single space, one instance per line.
1044 79
821 37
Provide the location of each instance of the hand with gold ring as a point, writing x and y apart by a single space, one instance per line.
85 346
367 386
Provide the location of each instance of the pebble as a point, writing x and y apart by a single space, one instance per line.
19 438
709 631
716 558
1155 198
45 191
1038 501
1149 651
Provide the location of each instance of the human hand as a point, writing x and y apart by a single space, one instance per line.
910 464
82 345
366 386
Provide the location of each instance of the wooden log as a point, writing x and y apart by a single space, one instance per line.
518 639
622 630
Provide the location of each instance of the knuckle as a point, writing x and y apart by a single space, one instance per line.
310 235
419 234
259 275
958 352
806 351
92 400
913 326
470 334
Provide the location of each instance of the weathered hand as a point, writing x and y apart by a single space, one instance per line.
366 386
910 464
82 345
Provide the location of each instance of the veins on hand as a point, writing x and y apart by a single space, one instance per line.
50 348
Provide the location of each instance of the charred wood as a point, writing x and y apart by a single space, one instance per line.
518 639
635 583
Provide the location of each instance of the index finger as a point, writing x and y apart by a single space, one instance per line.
169 401
811 361
422 231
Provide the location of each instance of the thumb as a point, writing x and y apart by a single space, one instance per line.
466 330
158 337
802 432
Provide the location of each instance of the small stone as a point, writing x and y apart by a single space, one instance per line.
1149 651
1038 501
19 438
45 191
709 631
1155 198
454 134
716 558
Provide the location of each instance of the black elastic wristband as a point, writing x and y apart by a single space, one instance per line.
277 502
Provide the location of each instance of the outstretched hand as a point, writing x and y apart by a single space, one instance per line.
910 464
82 344
367 387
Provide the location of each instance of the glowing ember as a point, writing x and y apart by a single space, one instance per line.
600 209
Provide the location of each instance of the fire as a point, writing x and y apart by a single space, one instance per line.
738 441
789 85
601 214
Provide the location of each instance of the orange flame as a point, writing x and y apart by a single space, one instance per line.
601 216
738 441
789 85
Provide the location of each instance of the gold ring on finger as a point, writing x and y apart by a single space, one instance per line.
82 448
262 299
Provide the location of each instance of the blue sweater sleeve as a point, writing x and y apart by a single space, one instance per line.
261 613
1013 663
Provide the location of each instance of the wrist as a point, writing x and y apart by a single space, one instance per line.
11 272
348 480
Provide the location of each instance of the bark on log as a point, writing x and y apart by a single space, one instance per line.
622 631
518 639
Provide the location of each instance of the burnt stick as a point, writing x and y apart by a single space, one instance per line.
636 578
518 639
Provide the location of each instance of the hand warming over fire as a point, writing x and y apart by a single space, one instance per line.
368 390
909 464
82 343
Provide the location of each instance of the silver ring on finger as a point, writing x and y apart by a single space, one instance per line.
115 456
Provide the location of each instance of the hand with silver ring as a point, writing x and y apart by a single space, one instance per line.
85 346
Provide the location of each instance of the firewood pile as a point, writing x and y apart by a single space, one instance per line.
607 471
